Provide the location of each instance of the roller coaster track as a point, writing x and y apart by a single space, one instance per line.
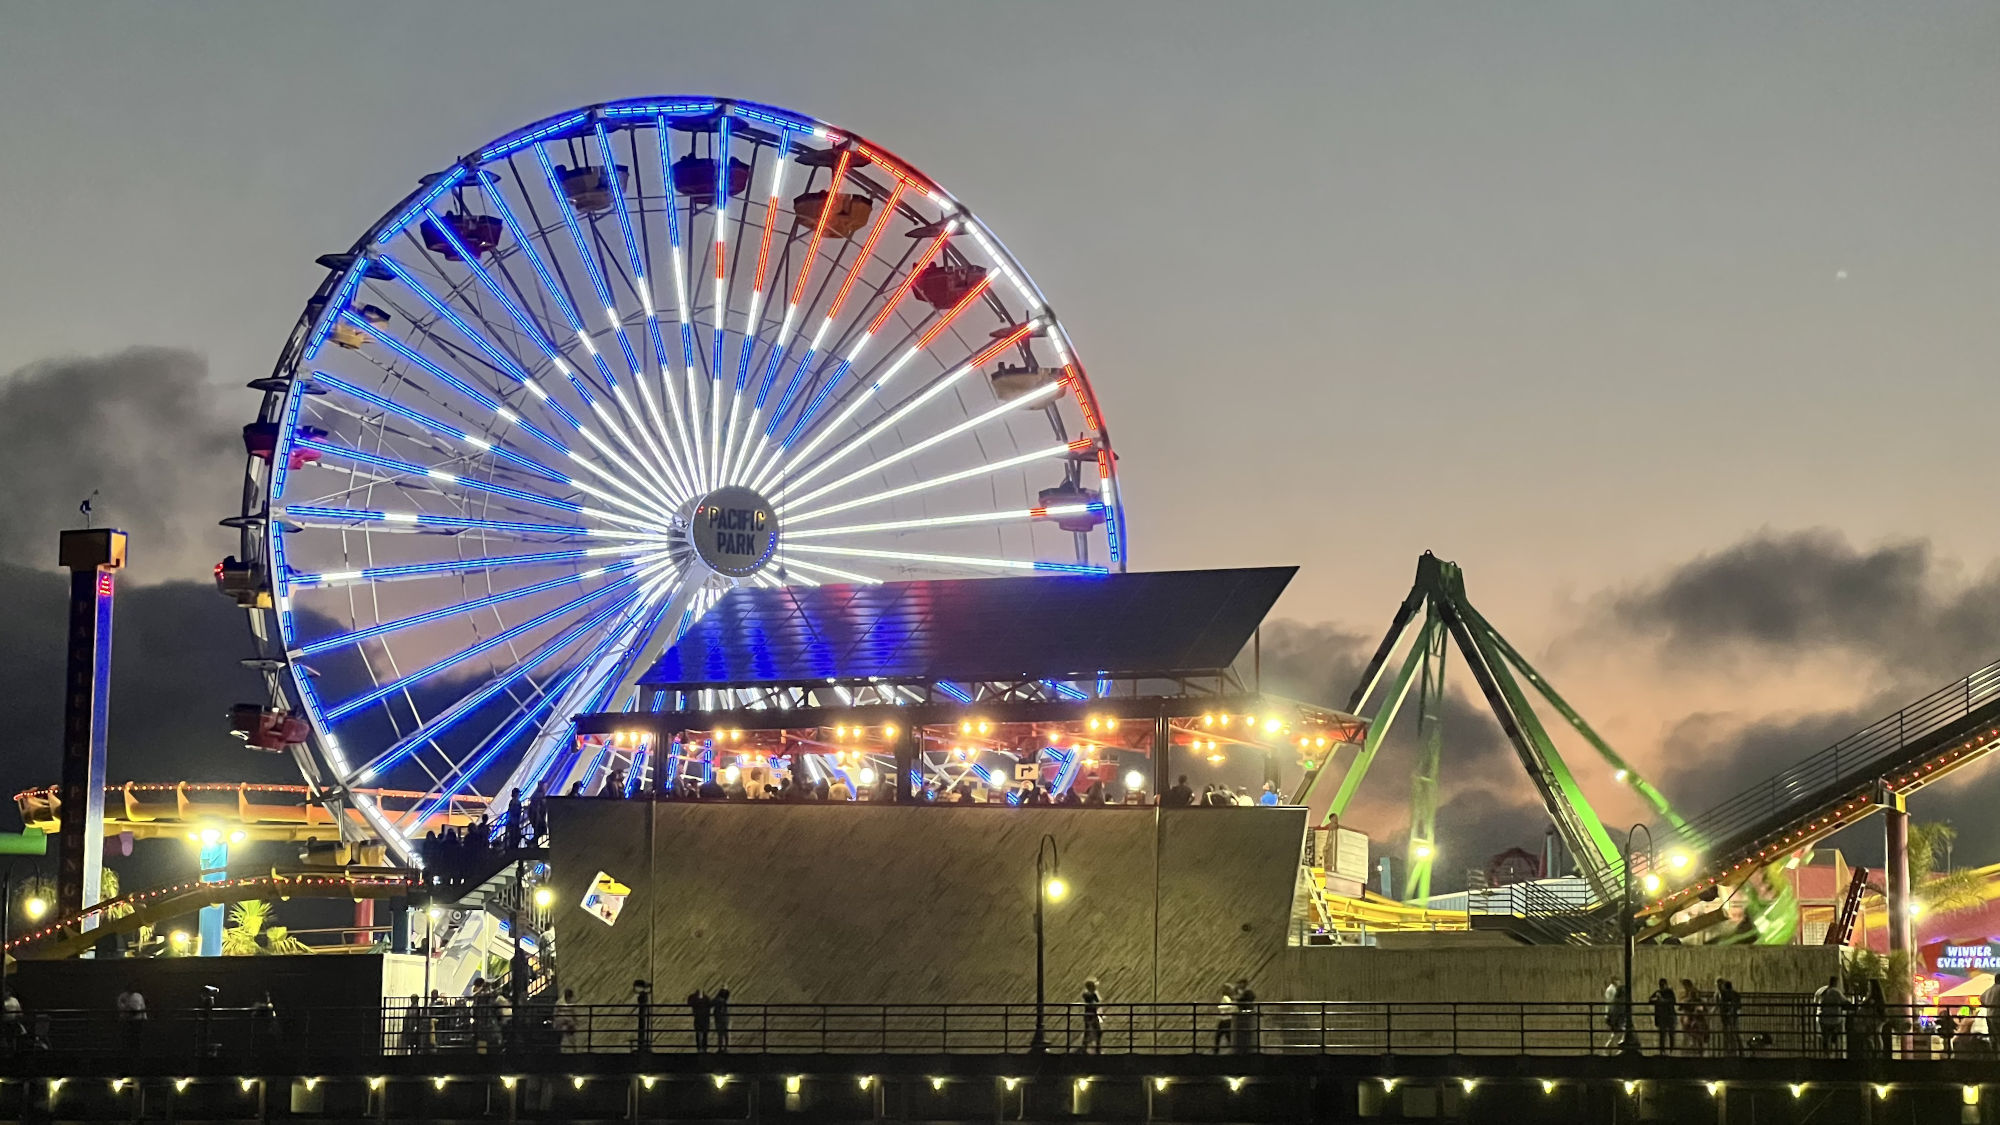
66 937
1875 767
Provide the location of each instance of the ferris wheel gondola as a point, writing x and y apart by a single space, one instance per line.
579 384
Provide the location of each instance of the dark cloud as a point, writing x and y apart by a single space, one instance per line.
1717 756
174 676
141 427
1795 594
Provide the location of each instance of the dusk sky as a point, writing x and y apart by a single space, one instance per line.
1673 324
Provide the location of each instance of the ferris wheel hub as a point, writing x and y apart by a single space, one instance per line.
734 530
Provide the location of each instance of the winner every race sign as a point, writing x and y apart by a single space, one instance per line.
734 531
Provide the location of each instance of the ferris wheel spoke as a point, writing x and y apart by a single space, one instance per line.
593 270
803 424
434 474
456 713
357 636
961 520
908 451
792 312
322 515
684 465
789 564
922 345
670 204
509 416
796 383
613 672
1068 448
338 711
970 561
405 571
755 453
458 778
503 363
483 398
656 467
438 426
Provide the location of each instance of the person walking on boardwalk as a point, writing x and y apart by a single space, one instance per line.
1093 1018
1830 1012
1666 1009
1617 1014
1225 1022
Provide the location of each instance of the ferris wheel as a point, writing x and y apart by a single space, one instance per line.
579 384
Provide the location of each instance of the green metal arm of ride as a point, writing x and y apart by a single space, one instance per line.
1631 776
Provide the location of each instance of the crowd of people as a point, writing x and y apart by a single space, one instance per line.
761 782
453 857
1692 1021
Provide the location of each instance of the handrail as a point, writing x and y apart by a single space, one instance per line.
1765 1026
1859 758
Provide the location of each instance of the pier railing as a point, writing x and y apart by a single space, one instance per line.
1767 1026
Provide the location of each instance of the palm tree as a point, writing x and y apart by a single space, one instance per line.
44 888
251 933
1934 888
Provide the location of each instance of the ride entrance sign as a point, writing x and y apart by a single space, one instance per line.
734 530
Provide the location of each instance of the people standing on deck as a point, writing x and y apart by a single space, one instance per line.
1694 1017
1246 1016
1947 1024
1665 1009
1989 1003
132 1017
1093 1018
1830 1012
565 1021
698 1009
1872 1017
1729 1005
1617 1014
721 1013
515 817
1225 1023
642 1013
11 1028
538 812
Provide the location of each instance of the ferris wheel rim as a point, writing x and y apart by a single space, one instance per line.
291 681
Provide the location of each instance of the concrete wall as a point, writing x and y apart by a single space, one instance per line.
1537 972
842 903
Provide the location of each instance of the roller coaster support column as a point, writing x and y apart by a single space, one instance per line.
214 869
92 557
1896 871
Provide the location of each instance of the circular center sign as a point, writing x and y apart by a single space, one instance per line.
734 531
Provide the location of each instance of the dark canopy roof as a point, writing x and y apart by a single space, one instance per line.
1042 627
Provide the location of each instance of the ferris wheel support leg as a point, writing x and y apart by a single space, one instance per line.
635 664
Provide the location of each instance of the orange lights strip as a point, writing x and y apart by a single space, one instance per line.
1000 345
903 290
867 248
819 228
964 303
276 882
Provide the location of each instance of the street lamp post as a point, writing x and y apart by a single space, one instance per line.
1049 887
1628 1043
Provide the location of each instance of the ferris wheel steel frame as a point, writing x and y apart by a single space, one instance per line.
492 410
